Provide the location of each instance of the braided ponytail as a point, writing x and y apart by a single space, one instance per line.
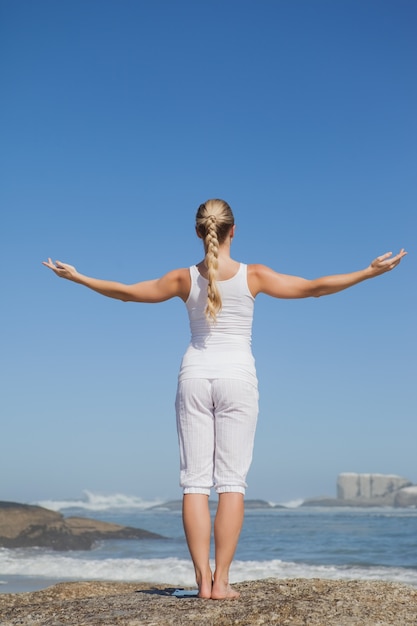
211 244
213 222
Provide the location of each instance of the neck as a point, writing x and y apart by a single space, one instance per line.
224 249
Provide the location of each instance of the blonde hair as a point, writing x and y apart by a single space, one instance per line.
214 220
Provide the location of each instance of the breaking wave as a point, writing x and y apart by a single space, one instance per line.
99 502
177 571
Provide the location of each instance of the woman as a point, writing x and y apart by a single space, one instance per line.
217 397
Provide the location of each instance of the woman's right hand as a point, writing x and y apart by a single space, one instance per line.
386 262
63 270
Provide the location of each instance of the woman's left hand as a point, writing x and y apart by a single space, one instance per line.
63 270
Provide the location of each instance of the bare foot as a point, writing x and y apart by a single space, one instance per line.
205 585
223 592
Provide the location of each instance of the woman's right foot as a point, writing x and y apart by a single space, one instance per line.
223 591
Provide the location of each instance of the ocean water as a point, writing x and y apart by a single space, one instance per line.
291 542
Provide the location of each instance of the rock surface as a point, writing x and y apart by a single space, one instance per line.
25 525
300 602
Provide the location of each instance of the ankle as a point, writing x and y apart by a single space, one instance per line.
203 574
222 590
221 578
204 582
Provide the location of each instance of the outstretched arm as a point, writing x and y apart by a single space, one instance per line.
262 279
175 283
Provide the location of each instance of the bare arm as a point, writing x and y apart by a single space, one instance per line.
262 279
175 283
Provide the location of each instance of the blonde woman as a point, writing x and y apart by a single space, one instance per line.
217 396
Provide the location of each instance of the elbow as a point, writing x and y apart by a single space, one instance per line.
323 290
312 290
315 290
318 293
127 295
124 297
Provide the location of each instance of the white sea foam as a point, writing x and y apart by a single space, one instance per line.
292 504
179 571
99 502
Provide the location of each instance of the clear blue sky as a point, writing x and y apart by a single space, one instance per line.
118 120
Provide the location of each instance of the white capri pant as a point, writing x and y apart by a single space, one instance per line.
216 422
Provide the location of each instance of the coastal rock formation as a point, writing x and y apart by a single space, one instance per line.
406 496
368 486
24 525
367 490
269 602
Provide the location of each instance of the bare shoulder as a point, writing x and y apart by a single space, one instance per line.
181 273
257 273
182 281
257 269
263 279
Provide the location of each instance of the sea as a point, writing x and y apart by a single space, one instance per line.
291 541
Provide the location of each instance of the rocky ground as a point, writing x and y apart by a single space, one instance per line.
301 602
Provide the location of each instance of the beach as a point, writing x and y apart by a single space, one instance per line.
277 544
297 602
296 566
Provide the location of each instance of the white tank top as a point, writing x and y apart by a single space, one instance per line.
221 349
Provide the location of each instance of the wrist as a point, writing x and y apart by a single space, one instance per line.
77 278
370 272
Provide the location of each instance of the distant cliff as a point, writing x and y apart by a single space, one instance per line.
370 490
24 525
376 487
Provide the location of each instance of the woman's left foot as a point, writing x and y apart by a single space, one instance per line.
205 586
